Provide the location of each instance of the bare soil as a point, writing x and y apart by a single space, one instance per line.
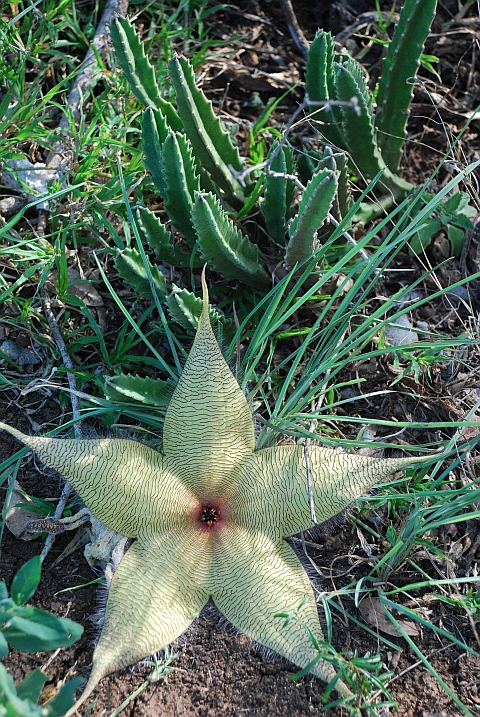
220 672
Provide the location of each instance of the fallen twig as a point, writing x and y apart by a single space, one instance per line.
295 29
86 78
58 338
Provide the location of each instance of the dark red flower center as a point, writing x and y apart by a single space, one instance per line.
210 514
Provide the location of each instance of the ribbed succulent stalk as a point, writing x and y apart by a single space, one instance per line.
342 105
196 169
395 87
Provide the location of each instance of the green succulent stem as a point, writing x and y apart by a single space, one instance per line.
313 210
138 70
224 247
395 87
342 105
211 143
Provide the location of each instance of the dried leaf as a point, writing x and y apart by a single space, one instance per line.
17 518
375 614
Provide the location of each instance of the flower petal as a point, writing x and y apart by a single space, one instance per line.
156 593
208 424
254 578
124 483
273 494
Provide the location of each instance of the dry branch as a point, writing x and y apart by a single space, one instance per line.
86 77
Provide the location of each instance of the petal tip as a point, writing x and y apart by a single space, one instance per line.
205 318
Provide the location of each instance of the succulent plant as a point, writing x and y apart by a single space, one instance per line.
204 183
371 132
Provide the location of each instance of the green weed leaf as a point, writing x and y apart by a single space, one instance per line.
25 582
33 630
31 687
64 699
3 646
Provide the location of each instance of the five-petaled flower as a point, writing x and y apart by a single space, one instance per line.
208 517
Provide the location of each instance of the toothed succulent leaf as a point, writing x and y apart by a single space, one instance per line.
320 88
223 246
343 199
131 268
154 133
127 388
186 308
137 69
211 143
308 164
314 207
358 124
278 192
181 182
161 241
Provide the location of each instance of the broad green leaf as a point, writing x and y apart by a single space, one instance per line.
25 582
7 687
64 699
31 687
456 237
36 630
3 646
420 241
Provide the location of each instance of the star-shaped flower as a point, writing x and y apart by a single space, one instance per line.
209 517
